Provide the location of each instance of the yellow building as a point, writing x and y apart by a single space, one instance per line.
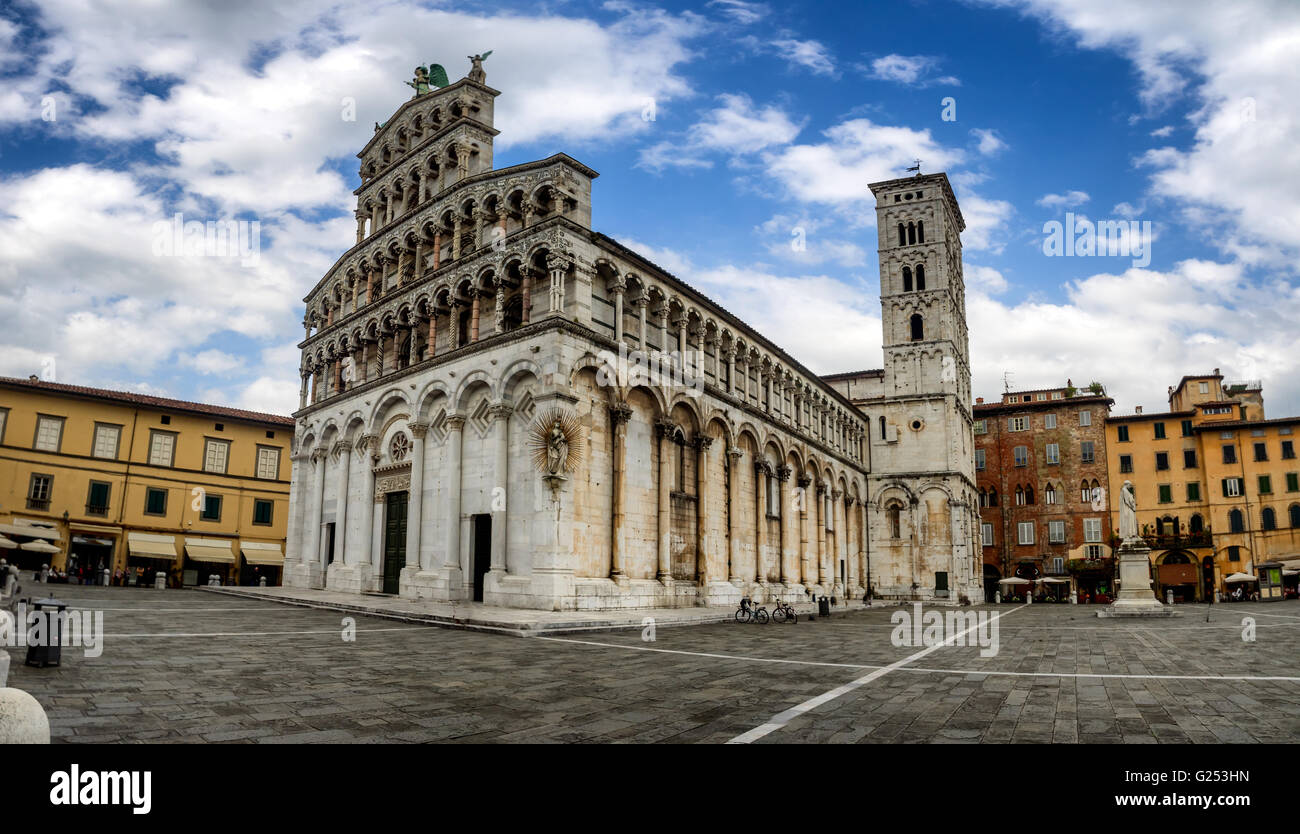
93 479
1217 485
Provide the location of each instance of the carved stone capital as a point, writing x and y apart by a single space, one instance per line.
665 426
620 413
804 481
418 430
702 442
455 422
501 411
736 452
762 467
783 472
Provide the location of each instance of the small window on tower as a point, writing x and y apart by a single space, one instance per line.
918 327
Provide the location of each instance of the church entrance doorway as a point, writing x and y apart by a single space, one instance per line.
482 551
394 540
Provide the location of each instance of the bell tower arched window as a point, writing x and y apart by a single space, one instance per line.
918 327
907 279
920 277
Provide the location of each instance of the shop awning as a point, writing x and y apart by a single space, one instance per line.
209 550
30 531
1291 564
92 540
262 553
150 546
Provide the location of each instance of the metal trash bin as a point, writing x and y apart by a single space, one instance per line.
49 650
824 606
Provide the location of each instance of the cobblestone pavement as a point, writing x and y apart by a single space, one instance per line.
185 666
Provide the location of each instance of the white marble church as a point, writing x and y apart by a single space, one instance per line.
500 404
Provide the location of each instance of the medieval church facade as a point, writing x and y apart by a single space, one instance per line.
500 404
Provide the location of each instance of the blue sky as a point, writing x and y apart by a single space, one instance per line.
768 118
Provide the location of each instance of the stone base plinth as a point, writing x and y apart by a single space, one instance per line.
442 584
1153 610
304 575
1135 598
355 579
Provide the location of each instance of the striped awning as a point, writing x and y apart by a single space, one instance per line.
209 550
150 546
262 553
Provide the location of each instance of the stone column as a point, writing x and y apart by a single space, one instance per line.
851 541
370 285
437 249
681 337
374 218
455 430
499 310
501 475
418 272
641 304
837 522
363 372
455 237
456 304
761 470
361 227
821 535
703 543
473 316
733 514
414 356
433 334
662 316
619 286
319 460
619 414
388 210
302 391
343 453
805 568
364 449
415 497
558 266
783 475
526 291
666 428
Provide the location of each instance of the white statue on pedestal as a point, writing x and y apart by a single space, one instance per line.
1128 520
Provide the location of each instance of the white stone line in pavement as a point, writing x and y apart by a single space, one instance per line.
921 669
782 718
1269 614
333 631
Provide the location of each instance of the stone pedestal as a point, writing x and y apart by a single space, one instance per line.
354 579
1136 599
303 575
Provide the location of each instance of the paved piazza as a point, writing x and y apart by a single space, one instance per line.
192 666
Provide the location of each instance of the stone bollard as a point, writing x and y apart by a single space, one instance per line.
160 581
1029 598
107 577
213 580
22 719
1169 596
7 631
262 582
1074 598
997 597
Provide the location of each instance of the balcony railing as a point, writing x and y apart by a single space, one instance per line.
38 503
1179 540
96 509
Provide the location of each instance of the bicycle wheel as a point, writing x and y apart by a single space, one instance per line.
761 615
778 615
742 615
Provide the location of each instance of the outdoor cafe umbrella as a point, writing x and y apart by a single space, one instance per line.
1014 580
1241 577
1054 581
39 547
4 542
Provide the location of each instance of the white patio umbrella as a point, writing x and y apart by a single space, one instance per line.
1241 577
6 543
1014 580
39 547
1054 581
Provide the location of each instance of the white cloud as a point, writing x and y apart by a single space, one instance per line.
809 241
989 141
735 128
1162 132
913 70
1067 200
741 12
809 54
1237 62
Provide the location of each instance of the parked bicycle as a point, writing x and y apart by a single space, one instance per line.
783 613
747 612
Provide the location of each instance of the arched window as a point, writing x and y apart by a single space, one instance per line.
993 497
920 231
902 235
1268 519
984 498
1196 524
1029 495
1085 493
1295 515
920 277
1049 494
1020 496
1236 522
895 524
882 427
911 233
918 327
907 279
1095 491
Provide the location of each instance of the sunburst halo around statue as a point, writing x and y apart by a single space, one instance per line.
555 438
